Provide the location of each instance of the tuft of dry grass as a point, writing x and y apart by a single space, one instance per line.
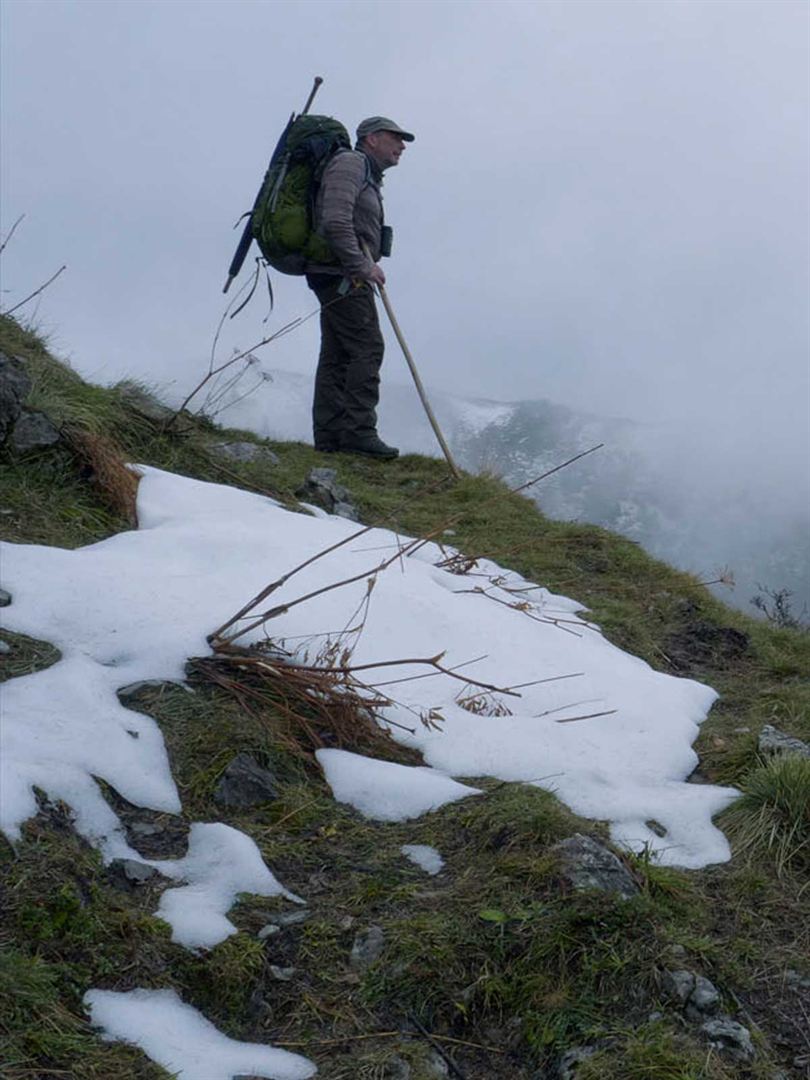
310 708
116 481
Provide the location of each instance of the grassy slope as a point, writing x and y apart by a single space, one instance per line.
492 953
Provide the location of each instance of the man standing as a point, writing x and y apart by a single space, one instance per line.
349 216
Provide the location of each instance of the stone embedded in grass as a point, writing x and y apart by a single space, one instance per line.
33 431
587 864
321 487
243 451
730 1038
5 598
5 648
773 741
367 947
244 784
694 993
15 386
129 873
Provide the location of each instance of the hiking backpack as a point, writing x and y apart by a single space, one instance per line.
283 215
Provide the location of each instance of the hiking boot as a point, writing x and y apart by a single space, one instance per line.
371 446
327 448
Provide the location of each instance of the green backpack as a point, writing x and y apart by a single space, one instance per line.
282 218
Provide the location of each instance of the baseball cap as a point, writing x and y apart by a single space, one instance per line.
381 123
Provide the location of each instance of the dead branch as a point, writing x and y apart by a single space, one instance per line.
590 716
36 292
10 233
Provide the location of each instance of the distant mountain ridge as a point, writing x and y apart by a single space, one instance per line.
656 484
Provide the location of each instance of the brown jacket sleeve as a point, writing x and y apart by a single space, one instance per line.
349 211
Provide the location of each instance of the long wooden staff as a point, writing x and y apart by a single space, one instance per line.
454 469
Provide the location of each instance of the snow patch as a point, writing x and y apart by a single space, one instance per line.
182 1041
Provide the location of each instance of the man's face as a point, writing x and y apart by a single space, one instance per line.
385 147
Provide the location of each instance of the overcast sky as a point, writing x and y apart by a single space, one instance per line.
606 203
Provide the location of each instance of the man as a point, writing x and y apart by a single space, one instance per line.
349 216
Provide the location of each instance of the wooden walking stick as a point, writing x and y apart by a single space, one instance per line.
454 469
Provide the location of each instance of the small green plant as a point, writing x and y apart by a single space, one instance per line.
772 816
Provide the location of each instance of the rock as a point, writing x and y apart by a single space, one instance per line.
144 403
289 918
773 741
134 690
697 996
244 784
321 487
705 999
678 985
567 1065
5 598
796 980
397 1068
367 948
282 974
587 864
33 431
243 451
15 386
268 931
436 1066
730 1038
144 828
5 648
346 510
129 874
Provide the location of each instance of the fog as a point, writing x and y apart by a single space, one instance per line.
606 204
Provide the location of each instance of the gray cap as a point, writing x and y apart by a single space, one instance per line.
381 123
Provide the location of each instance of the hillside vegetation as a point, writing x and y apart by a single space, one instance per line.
493 970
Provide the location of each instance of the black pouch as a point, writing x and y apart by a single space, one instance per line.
386 240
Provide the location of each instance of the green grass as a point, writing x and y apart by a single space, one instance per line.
493 951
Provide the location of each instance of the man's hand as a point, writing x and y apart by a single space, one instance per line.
377 275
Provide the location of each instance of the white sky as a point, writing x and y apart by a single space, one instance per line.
606 205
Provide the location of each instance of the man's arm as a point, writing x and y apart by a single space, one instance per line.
342 183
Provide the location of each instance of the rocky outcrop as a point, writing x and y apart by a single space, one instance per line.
773 741
321 487
587 864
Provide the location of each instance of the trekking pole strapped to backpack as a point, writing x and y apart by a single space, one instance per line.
249 231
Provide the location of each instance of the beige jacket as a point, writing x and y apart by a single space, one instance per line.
348 212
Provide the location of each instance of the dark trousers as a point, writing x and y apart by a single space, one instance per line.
347 382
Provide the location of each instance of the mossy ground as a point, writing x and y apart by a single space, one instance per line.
493 958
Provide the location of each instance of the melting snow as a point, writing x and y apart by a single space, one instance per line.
180 1039
609 735
424 856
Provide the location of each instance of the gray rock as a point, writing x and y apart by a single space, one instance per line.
245 784
587 864
678 985
705 999
134 690
730 1038
436 1066
268 931
282 974
33 431
367 948
694 993
397 1068
796 980
567 1065
131 873
5 648
773 741
144 403
321 487
346 510
243 451
289 918
15 386
5 598
145 828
